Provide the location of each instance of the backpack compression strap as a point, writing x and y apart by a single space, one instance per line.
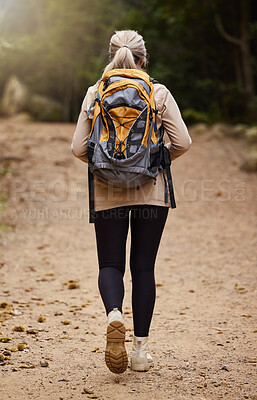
165 166
91 196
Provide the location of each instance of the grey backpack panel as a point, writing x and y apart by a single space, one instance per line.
128 172
117 99
97 131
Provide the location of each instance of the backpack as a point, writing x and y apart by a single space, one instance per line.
123 149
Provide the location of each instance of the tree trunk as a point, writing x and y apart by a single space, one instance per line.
203 54
238 68
244 46
246 53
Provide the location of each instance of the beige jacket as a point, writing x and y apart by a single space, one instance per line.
178 143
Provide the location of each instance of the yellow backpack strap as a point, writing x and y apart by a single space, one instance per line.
134 73
154 110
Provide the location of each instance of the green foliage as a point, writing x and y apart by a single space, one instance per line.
63 52
192 116
188 54
60 48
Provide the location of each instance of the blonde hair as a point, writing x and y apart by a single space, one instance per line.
126 49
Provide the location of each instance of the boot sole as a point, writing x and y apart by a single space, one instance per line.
116 357
140 365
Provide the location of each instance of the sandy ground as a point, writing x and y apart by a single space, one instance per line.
204 328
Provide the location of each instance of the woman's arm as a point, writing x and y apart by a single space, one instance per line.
83 128
173 124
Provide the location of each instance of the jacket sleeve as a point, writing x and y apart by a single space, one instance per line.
83 128
174 126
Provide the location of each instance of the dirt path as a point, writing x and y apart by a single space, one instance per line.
204 328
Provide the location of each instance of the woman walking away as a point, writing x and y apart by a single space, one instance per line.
120 134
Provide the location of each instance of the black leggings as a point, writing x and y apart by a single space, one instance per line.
111 226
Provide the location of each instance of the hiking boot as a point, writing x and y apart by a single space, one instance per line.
116 357
141 360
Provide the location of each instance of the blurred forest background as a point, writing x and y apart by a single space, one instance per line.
205 52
